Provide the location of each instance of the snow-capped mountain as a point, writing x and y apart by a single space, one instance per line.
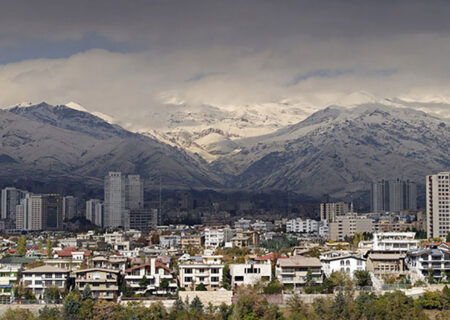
341 150
210 131
43 143
337 150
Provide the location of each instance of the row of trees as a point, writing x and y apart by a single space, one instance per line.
252 306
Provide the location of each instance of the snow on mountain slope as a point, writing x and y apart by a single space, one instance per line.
210 131
341 150
44 141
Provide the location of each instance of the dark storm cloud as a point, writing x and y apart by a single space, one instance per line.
169 24
144 54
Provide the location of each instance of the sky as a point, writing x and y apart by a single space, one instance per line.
130 58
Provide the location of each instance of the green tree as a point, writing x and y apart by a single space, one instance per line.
447 238
144 282
178 306
200 287
125 289
71 306
164 283
18 314
196 305
226 277
355 241
47 313
362 278
22 246
49 248
87 292
296 309
52 295
273 287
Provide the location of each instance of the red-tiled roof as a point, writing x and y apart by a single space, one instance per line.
157 266
435 243
270 256
67 252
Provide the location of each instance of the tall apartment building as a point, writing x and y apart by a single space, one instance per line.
10 198
70 207
348 225
39 212
122 193
114 200
329 211
438 205
393 195
143 219
94 212
53 212
134 192
302 226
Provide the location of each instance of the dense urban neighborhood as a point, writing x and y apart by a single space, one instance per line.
289 267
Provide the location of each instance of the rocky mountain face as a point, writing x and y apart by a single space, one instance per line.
337 151
340 151
50 143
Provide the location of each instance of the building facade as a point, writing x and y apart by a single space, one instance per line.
347 226
294 271
438 205
302 226
10 198
393 195
207 270
330 210
250 273
69 207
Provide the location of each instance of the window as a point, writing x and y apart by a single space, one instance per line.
238 278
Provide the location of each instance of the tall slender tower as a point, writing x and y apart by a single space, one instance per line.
114 200
438 205
122 194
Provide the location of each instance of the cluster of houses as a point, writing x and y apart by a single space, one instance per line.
118 263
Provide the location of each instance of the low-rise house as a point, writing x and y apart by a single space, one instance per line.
242 224
348 262
196 240
68 264
8 278
294 271
104 283
250 273
207 270
299 225
114 237
395 241
245 239
160 278
119 263
217 237
386 264
262 225
40 278
430 260
72 253
170 241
